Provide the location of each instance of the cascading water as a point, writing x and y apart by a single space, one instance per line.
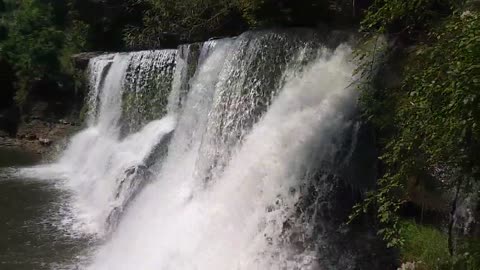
240 172
148 84
236 164
105 164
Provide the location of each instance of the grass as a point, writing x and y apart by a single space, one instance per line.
428 248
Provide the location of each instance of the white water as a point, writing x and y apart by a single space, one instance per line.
220 198
96 159
179 223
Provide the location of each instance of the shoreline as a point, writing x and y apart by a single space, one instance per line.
39 137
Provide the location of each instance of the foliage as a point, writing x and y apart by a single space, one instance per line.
37 47
31 44
393 16
193 20
190 19
107 21
428 248
284 12
425 245
445 95
433 116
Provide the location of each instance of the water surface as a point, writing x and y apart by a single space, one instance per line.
33 219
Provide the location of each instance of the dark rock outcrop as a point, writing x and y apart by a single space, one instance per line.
81 60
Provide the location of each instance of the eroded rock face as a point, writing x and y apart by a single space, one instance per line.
467 213
432 198
326 207
325 204
133 181
81 60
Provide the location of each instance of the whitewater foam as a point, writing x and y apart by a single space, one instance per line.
259 114
237 221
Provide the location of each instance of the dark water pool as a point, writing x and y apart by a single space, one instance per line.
34 234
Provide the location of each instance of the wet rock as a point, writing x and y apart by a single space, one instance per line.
64 122
408 266
45 142
81 60
131 184
31 137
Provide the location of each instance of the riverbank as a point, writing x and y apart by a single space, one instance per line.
39 136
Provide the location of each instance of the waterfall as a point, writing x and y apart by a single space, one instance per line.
228 154
148 85
106 164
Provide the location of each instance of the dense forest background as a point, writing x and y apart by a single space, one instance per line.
423 103
39 37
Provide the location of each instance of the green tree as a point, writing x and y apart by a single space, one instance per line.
430 122
186 19
38 45
285 12
31 45
195 20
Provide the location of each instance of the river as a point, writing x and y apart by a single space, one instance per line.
33 220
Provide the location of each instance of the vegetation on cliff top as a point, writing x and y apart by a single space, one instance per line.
195 20
38 37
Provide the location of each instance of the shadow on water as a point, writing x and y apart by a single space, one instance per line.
15 158
33 220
